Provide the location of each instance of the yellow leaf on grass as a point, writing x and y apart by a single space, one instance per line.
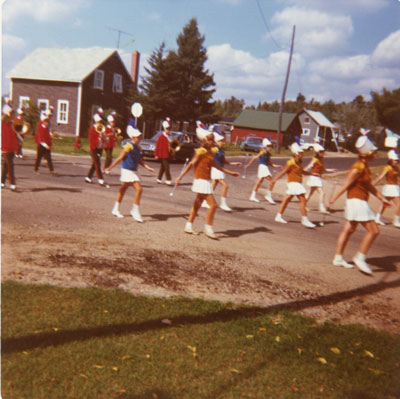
126 357
114 368
336 351
376 371
192 348
98 366
278 338
249 336
322 360
262 329
148 356
83 375
235 371
368 353
300 350
121 391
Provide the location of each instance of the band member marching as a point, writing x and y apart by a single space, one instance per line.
391 189
162 152
96 133
44 143
19 120
217 175
109 140
294 170
358 185
264 161
202 162
9 147
315 180
131 159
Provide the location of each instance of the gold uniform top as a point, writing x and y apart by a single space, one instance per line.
202 169
392 174
295 173
359 189
318 166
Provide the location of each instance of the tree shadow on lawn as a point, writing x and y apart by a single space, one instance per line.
29 342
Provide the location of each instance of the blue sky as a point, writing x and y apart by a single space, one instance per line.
342 48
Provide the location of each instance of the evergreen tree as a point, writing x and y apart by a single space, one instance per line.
190 84
387 106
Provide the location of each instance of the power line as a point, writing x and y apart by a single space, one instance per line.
119 34
268 29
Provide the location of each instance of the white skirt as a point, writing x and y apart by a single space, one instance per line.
202 186
314 181
217 174
358 210
128 176
263 171
294 188
391 190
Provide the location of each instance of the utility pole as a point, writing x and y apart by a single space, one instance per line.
284 93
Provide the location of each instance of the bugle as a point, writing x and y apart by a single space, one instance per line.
21 127
175 146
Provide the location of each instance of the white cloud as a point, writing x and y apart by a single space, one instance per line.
41 10
342 6
316 31
387 53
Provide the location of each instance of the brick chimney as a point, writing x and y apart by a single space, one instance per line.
135 67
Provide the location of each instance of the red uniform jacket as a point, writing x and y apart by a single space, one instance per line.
9 141
110 140
162 147
43 134
94 138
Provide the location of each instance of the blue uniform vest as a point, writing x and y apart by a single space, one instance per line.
131 161
265 159
220 157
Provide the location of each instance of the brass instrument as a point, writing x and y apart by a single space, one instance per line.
175 146
118 133
20 127
100 128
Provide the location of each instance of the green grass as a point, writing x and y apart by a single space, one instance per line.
92 343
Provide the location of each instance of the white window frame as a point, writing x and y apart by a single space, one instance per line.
23 102
43 101
62 114
307 120
306 132
98 82
117 83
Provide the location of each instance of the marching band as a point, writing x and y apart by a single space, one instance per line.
209 162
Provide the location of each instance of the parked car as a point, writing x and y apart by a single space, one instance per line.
183 145
306 146
252 143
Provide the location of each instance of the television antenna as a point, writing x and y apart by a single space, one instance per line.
119 35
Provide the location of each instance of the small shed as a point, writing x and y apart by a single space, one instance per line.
265 124
75 82
317 127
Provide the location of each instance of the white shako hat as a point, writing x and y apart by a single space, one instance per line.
97 118
392 155
391 142
364 145
7 110
166 125
132 132
363 131
318 148
44 116
202 133
110 118
217 136
266 142
295 149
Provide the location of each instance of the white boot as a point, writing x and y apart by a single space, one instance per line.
253 197
360 262
339 261
116 212
396 221
268 197
378 220
189 228
306 222
204 204
136 214
279 218
224 206
209 232
322 209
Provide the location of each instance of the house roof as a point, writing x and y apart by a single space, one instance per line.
66 65
320 118
263 120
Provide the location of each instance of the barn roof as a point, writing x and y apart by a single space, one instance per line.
66 65
263 120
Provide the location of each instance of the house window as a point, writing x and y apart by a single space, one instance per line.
98 79
23 102
62 111
307 120
117 83
43 105
306 132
